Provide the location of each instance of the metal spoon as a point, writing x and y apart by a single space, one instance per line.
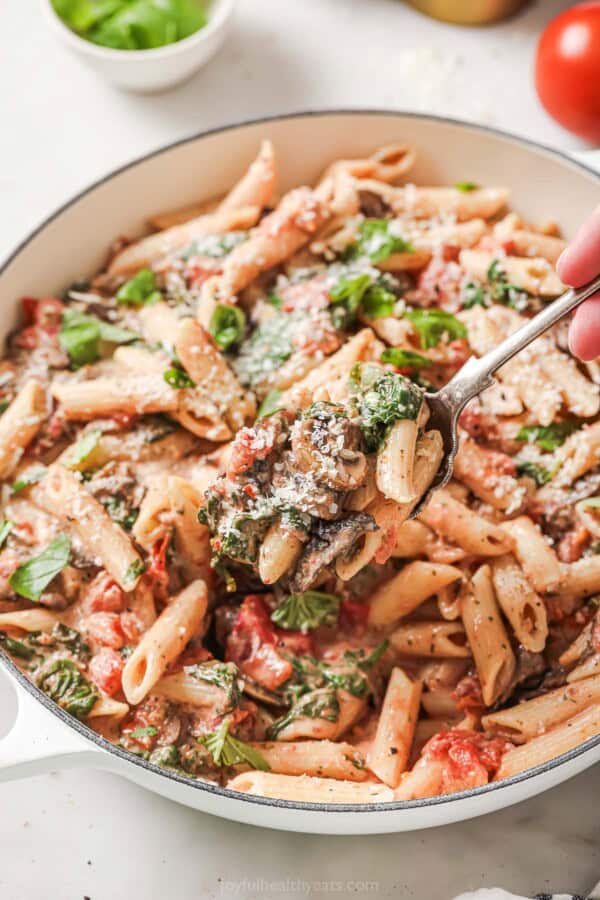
475 376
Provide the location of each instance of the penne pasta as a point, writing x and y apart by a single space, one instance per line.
309 789
388 757
431 639
20 423
403 593
523 608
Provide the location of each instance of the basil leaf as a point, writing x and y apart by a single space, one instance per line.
378 241
466 186
227 325
378 302
140 290
502 291
146 24
80 336
26 480
547 437
474 294
270 404
179 379
434 324
405 359
65 684
84 447
225 676
148 731
274 299
318 704
539 474
302 612
33 577
229 751
17 648
5 529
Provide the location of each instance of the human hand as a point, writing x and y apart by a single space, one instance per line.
577 265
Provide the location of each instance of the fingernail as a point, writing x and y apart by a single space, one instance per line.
561 259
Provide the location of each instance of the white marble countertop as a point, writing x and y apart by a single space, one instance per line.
82 834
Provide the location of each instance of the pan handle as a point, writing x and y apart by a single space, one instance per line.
39 742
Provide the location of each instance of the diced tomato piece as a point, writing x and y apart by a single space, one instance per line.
28 338
467 694
156 572
105 670
353 612
105 628
252 645
132 626
386 548
199 269
470 758
251 444
103 595
440 280
295 642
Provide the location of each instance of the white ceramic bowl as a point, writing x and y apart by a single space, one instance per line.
72 243
147 71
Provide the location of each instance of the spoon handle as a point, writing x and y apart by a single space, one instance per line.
476 375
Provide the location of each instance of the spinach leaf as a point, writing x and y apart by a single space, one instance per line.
318 704
432 325
302 612
80 336
360 291
17 648
140 290
381 400
64 683
225 676
33 577
405 359
227 325
227 750
548 437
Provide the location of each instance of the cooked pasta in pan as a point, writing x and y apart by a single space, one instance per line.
211 454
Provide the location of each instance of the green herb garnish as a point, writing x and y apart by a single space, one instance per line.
26 480
432 325
229 751
81 336
302 612
466 186
227 325
318 704
405 359
547 437
539 474
225 676
377 241
382 399
33 577
148 731
84 447
64 683
270 404
178 378
134 571
140 290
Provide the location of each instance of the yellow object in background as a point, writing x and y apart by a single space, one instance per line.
468 12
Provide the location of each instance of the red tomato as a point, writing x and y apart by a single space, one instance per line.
105 628
567 70
105 670
252 645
